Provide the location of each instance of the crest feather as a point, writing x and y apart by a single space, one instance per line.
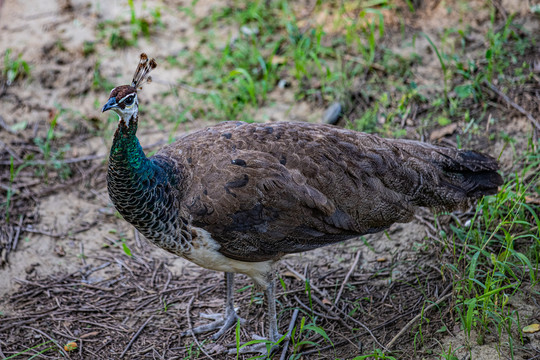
143 69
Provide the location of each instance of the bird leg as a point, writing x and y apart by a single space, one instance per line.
272 315
223 323
273 334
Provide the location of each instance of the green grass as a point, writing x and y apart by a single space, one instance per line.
52 157
15 68
121 33
375 355
496 257
13 173
241 72
50 346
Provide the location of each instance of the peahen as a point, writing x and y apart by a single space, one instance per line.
237 197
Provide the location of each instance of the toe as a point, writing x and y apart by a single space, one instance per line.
216 317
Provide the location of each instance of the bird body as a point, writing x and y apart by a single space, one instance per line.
236 197
239 193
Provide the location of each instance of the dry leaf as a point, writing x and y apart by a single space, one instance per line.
278 60
326 301
532 200
529 329
442 132
289 274
90 334
70 346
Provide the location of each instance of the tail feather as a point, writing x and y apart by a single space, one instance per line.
452 178
473 173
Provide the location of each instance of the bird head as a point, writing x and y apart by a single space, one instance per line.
123 99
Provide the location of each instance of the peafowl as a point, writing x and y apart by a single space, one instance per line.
237 197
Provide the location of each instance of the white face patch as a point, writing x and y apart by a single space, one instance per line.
131 107
129 100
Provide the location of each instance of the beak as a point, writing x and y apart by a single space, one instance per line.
109 105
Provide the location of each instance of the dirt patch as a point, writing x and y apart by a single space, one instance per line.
105 302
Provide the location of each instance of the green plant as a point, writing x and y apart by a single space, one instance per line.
142 26
13 173
99 81
120 37
448 354
444 68
125 247
494 268
193 351
48 348
52 158
14 68
376 355
300 335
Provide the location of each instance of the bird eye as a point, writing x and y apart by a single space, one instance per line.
129 100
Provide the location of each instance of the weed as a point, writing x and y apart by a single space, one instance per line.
52 158
300 336
448 354
193 352
99 82
89 47
376 355
50 347
495 269
14 68
165 305
139 26
142 26
13 173
125 247
443 65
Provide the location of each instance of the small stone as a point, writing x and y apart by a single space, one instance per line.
282 84
30 268
59 250
249 31
332 114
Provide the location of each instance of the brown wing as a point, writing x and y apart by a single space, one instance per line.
266 190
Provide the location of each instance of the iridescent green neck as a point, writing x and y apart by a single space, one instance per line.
126 151
145 191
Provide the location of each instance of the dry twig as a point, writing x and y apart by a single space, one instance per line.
136 336
289 332
188 309
353 266
413 320
503 96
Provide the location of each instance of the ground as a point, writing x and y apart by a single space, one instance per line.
457 73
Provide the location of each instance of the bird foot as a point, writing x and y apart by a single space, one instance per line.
259 345
221 322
